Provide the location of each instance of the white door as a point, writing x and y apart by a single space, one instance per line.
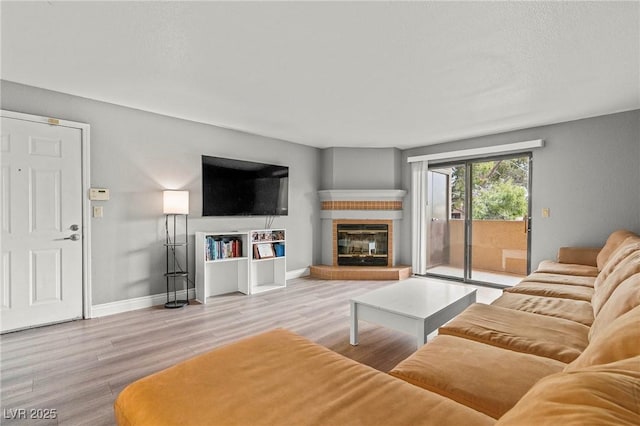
41 268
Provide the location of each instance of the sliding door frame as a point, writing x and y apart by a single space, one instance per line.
468 200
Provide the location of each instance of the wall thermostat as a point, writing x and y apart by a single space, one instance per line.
99 194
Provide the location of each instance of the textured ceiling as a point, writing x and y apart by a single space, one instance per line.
371 74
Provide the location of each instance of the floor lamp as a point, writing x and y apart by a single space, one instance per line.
176 203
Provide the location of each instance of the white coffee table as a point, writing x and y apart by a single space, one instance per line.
416 306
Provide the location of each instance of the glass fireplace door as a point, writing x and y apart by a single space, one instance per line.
363 244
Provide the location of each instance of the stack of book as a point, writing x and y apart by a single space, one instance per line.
222 248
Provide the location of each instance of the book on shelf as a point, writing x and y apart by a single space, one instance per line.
217 248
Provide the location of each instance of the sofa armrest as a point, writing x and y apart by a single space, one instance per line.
579 255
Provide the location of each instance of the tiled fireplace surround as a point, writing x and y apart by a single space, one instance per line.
359 206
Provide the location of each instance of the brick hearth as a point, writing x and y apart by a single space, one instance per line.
326 272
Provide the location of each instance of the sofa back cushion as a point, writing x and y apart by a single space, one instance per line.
618 340
579 255
604 289
629 245
600 395
625 297
612 243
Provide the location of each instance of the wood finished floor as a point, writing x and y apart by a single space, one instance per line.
78 368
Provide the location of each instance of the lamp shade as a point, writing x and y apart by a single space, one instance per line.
176 202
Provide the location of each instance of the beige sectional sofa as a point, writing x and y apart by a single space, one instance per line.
561 347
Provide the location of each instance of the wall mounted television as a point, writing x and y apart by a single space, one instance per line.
243 188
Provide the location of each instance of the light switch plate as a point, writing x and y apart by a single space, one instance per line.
99 194
546 212
97 211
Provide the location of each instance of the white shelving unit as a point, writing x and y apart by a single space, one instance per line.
267 273
248 268
220 275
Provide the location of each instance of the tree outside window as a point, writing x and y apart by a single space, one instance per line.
498 189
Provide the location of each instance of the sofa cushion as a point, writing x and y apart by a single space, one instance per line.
612 243
629 266
520 331
552 267
619 340
450 366
574 310
565 291
625 248
600 395
545 277
279 378
623 299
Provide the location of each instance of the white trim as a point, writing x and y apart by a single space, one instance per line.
362 194
297 273
494 149
123 306
127 305
85 130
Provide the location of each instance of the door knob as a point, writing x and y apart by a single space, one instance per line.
73 237
74 227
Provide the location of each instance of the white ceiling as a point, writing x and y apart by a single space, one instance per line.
350 74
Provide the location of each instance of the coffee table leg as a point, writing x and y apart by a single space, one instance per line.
421 337
353 338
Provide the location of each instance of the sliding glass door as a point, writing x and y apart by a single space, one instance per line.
478 220
445 229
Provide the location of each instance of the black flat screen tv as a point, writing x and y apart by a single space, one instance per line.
243 188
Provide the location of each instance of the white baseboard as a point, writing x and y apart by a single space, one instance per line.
121 306
297 273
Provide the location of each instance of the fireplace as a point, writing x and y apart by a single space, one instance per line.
362 244
359 235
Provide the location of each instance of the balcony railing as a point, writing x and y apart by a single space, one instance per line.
497 245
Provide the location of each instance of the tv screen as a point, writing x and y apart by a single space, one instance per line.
243 188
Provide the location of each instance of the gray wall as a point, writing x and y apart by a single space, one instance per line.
588 174
138 154
361 168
